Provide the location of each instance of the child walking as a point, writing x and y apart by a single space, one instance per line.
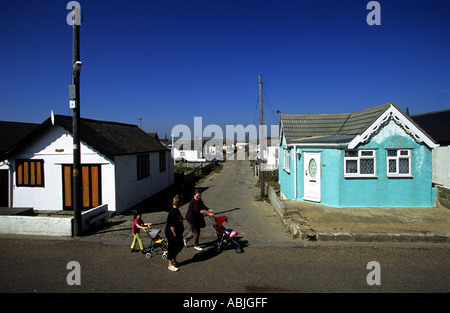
138 224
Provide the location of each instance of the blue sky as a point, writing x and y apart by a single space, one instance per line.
168 61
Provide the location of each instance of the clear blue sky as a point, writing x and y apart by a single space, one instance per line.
168 61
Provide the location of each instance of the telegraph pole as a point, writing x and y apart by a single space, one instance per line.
261 136
75 105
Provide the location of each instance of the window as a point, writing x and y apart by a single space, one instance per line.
30 173
359 163
398 163
143 166
162 161
287 160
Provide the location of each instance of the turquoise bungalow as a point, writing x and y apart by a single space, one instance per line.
373 158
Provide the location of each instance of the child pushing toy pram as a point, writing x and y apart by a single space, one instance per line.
138 224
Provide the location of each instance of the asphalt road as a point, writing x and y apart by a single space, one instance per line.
41 267
271 263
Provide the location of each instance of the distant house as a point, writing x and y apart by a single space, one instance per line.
188 150
121 166
437 124
198 150
377 157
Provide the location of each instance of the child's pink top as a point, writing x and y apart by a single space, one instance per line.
134 229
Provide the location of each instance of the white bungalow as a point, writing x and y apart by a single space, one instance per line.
121 166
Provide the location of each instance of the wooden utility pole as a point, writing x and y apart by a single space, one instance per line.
261 136
76 173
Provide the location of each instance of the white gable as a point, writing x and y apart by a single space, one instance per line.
399 119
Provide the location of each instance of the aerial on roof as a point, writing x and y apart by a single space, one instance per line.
109 138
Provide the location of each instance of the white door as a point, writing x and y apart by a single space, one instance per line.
311 176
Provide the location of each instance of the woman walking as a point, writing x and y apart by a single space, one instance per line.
174 233
195 216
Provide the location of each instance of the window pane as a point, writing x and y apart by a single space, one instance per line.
351 153
366 166
26 172
366 153
404 152
392 152
19 173
38 173
32 173
403 165
352 166
392 166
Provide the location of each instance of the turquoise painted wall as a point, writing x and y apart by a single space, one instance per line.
386 191
285 179
382 191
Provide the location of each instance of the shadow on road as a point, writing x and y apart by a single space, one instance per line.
200 257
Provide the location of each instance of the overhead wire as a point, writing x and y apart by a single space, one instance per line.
287 99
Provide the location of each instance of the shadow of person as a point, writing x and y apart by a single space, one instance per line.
200 257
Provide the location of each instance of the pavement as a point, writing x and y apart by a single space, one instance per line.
404 225
233 192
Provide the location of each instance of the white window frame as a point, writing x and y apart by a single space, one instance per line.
287 160
358 159
400 155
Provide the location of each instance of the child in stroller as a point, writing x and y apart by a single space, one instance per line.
224 235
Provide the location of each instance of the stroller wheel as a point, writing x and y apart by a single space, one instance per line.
238 249
148 255
164 256
152 249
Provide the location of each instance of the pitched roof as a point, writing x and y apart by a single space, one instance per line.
342 128
437 124
301 126
109 138
13 132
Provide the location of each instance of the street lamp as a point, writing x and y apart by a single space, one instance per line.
77 67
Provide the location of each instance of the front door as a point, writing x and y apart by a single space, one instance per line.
311 176
90 184
4 190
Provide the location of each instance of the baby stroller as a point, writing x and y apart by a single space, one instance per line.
157 242
224 235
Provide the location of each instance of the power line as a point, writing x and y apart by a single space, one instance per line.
287 99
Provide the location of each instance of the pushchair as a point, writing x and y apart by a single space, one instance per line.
157 242
224 235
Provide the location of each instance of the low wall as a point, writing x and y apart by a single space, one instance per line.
443 196
94 217
52 226
36 225
277 205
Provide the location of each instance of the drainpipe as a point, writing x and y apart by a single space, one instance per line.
295 171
